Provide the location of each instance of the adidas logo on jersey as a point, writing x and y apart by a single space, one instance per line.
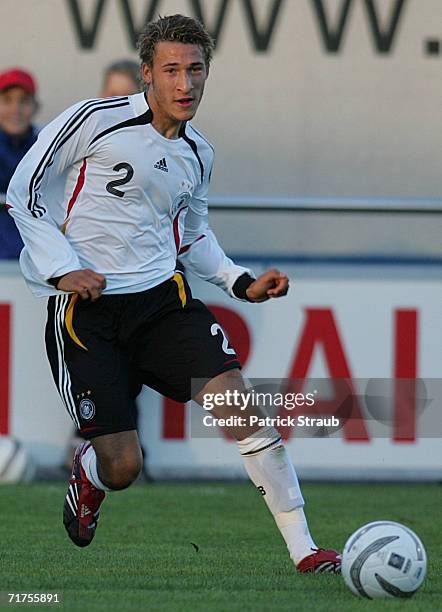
161 165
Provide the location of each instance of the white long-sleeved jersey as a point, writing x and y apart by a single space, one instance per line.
102 189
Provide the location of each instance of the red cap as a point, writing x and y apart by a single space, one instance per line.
15 77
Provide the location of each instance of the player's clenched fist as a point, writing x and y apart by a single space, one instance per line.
271 284
87 283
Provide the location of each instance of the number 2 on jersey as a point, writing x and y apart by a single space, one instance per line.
110 187
225 345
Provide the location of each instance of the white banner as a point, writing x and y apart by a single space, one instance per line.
305 97
355 329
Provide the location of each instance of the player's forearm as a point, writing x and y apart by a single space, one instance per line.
206 259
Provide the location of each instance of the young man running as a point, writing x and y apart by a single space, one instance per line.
114 190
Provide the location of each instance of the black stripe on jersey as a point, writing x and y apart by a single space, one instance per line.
32 205
88 115
193 146
143 119
48 157
192 127
81 115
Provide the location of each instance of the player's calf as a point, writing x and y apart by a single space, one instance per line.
271 470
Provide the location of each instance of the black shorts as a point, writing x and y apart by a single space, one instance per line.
102 352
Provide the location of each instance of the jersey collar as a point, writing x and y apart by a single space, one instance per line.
139 103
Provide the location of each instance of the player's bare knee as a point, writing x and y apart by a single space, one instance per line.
230 376
231 379
119 459
121 472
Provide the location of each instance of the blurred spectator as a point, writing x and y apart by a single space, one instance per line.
121 78
18 105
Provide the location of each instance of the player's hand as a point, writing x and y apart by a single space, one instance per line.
271 284
87 283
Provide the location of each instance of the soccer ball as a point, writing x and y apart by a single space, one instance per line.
384 559
15 464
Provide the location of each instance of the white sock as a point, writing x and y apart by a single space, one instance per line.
89 463
271 471
294 529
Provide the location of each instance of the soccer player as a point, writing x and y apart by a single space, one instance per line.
113 191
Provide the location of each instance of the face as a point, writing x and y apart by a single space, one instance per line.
175 82
17 108
118 84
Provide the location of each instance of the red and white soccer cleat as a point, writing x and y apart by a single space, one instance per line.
82 503
321 561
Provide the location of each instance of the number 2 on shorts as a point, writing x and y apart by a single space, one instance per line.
225 345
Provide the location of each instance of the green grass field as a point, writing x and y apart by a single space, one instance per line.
142 557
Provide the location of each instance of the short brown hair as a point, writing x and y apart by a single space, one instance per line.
174 28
